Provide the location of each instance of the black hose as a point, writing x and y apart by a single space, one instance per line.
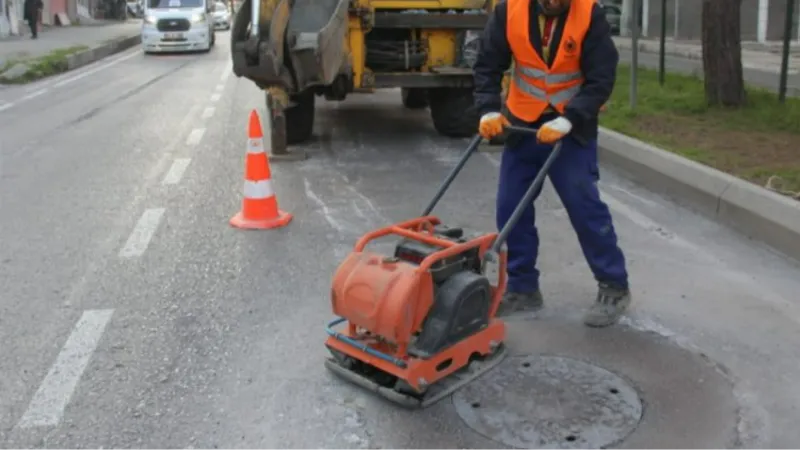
388 56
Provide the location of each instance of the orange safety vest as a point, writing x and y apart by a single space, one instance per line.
535 86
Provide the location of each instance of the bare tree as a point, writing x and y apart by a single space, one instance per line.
722 53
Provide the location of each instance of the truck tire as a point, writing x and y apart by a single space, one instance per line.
414 98
300 118
453 112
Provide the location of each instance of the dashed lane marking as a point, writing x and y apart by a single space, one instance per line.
142 233
48 404
176 171
195 136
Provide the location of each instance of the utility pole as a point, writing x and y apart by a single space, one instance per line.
787 38
662 44
634 52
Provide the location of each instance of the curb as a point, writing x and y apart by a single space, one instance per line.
650 47
116 45
756 212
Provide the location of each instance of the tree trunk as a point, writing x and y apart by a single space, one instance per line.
722 53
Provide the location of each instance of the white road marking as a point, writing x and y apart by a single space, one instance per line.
645 222
33 95
64 79
325 210
226 73
176 171
95 70
140 237
195 136
215 97
629 213
633 195
208 112
220 87
48 404
495 162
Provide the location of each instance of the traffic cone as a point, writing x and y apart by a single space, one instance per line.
260 205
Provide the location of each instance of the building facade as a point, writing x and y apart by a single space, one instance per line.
761 20
12 13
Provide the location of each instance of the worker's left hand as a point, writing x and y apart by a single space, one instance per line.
553 130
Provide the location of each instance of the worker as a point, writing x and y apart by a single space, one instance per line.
564 69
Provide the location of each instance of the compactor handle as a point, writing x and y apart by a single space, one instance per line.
529 194
473 145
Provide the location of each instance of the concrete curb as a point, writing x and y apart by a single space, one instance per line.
755 211
99 52
669 49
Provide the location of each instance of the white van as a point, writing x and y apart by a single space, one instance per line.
177 25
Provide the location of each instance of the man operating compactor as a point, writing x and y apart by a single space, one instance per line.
564 69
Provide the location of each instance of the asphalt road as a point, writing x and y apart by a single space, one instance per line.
132 315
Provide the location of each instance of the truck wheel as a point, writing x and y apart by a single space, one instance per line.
300 118
414 98
453 112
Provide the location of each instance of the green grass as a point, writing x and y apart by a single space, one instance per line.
755 142
44 66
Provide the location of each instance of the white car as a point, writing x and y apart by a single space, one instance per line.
177 25
221 16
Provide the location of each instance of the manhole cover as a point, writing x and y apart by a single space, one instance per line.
549 402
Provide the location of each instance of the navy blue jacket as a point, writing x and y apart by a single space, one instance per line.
599 61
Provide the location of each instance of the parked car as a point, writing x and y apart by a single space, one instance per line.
221 16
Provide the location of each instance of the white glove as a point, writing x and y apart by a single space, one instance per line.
554 130
492 125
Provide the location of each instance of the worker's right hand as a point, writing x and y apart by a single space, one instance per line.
492 125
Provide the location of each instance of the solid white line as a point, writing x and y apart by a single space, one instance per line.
195 136
176 171
215 97
142 233
95 70
48 404
32 95
208 112
6 106
227 72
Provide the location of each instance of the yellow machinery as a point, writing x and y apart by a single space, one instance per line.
296 50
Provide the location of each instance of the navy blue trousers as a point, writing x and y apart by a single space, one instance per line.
574 175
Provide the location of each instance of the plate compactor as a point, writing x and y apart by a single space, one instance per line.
418 325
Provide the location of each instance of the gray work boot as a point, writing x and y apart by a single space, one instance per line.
609 306
520 304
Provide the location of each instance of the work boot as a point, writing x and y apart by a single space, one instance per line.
520 304
609 306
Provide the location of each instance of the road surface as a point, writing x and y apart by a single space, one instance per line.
132 315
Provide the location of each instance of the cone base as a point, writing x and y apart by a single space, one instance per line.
283 219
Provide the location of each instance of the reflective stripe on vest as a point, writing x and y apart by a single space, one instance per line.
556 98
536 86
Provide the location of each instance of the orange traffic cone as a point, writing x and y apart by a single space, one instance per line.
260 205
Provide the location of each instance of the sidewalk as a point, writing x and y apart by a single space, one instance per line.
79 44
755 56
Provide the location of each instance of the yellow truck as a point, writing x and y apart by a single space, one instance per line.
296 50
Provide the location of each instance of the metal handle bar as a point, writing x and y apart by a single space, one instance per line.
473 145
527 199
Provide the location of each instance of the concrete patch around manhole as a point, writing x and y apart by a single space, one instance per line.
550 402
688 401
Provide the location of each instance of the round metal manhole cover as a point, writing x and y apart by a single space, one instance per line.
550 402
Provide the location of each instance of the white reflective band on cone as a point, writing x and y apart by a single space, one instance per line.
258 189
255 146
